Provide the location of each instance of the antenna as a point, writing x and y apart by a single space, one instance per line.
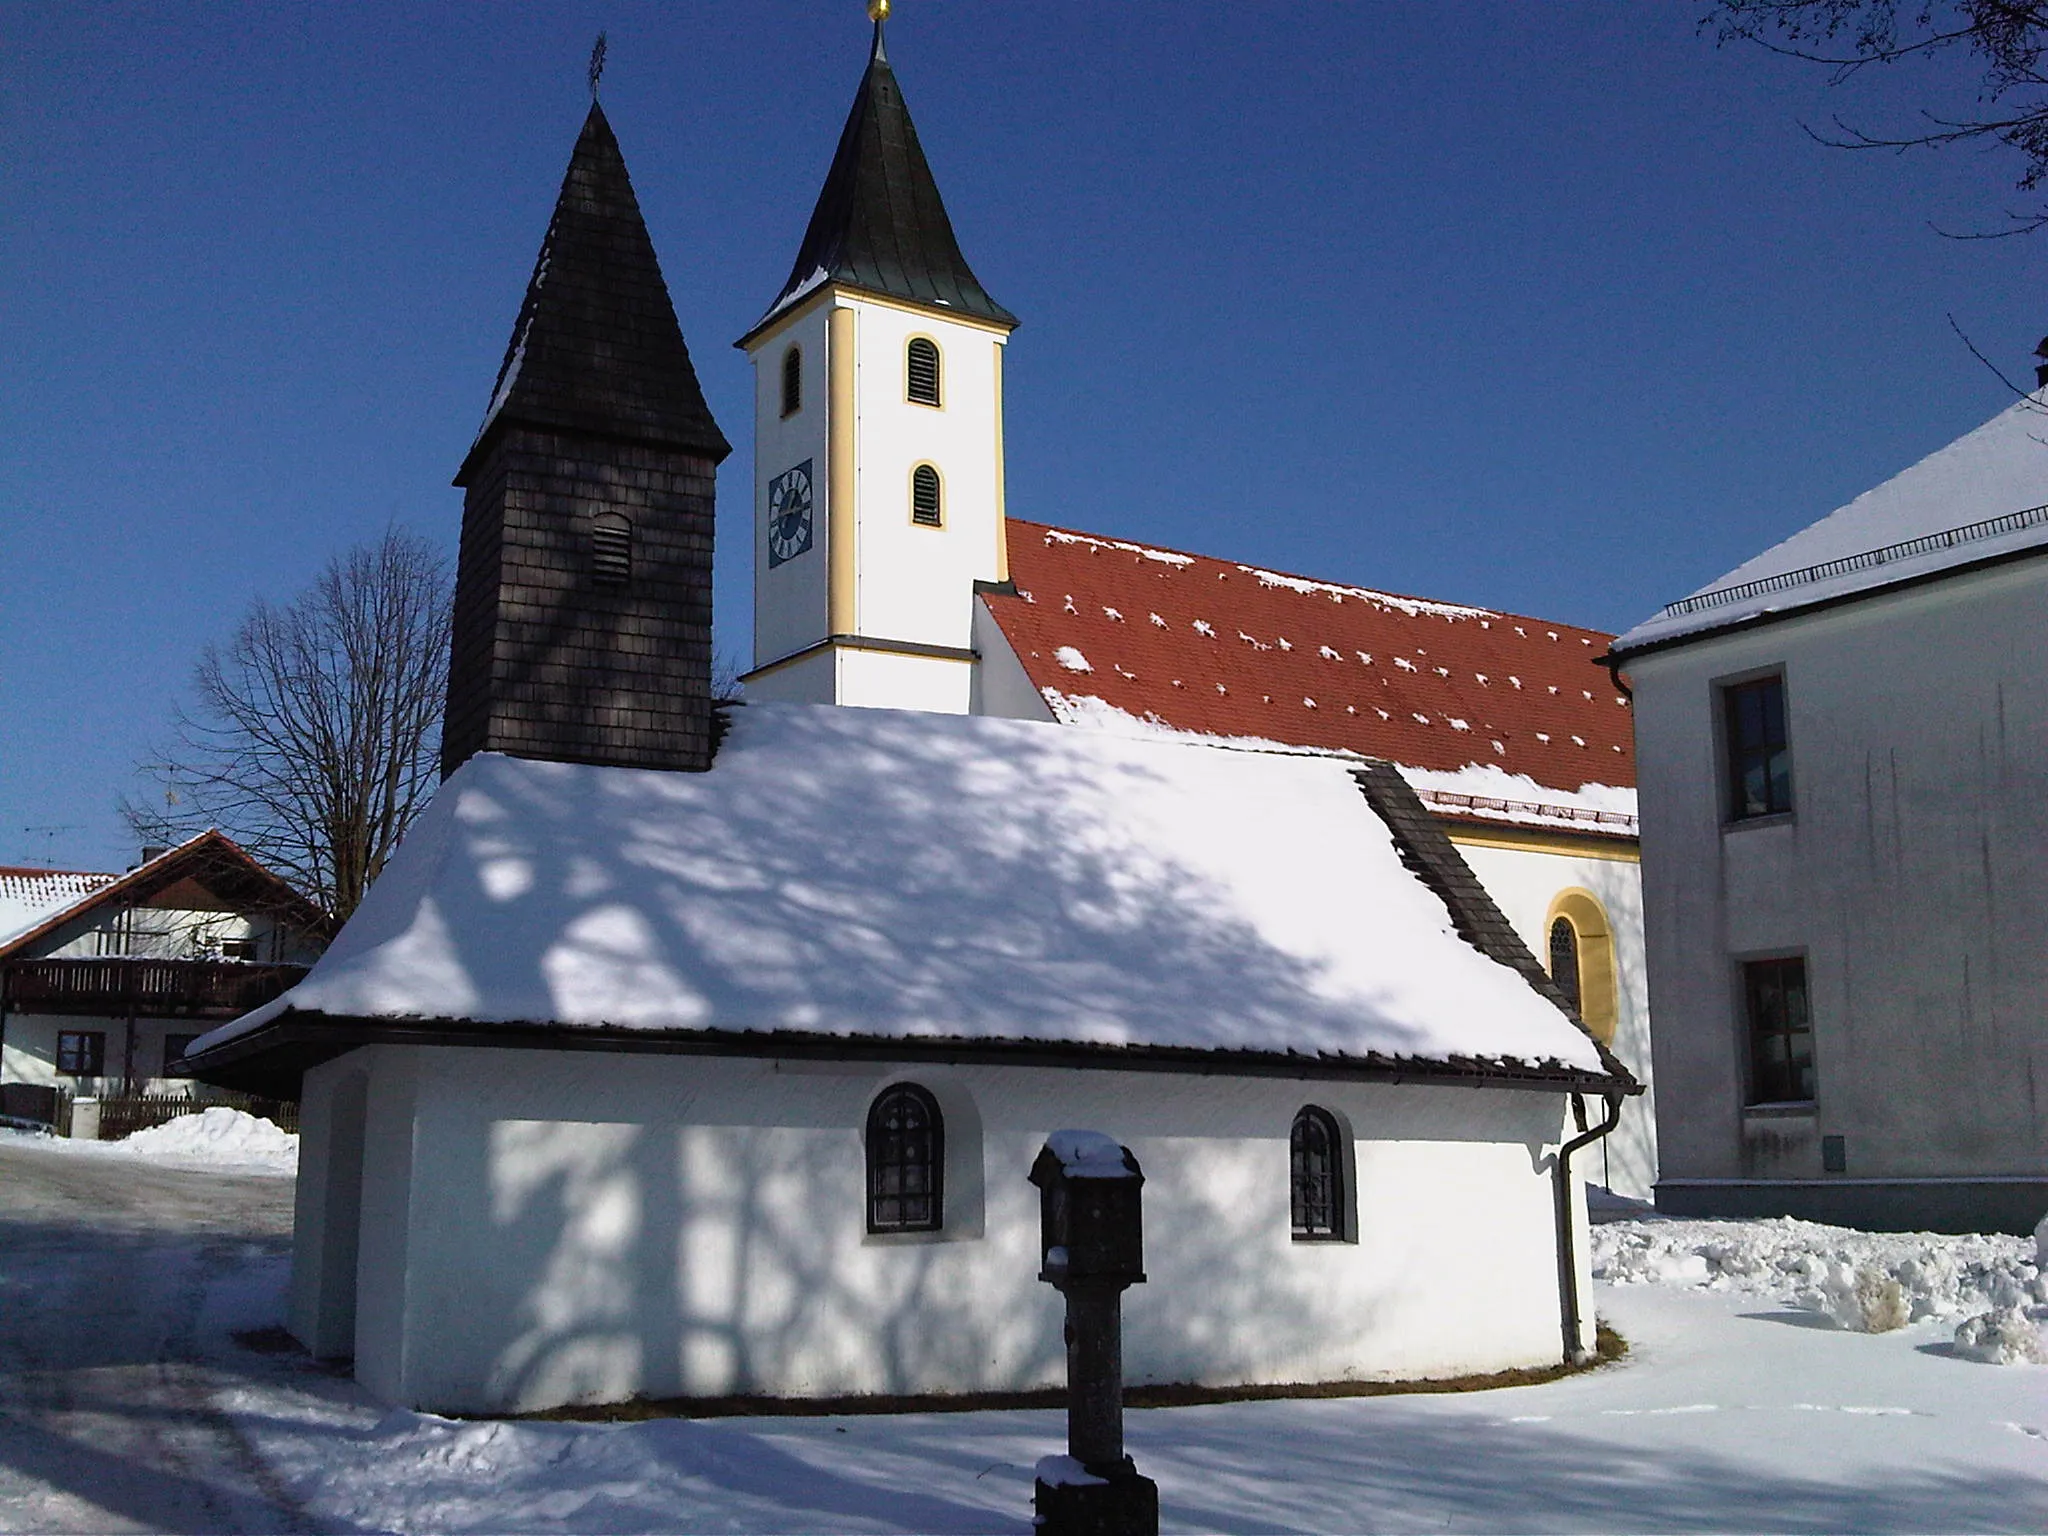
596 64
48 834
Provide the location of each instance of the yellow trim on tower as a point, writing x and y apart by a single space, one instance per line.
839 359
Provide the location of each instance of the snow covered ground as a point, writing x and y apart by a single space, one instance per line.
216 1138
126 1403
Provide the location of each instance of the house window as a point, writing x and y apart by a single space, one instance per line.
1316 1199
921 371
238 949
792 381
174 1048
81 1052
1780 1032
925 510
1759 757
611 549
1564 960
906 1161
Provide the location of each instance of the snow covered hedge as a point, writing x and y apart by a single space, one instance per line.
1869 1282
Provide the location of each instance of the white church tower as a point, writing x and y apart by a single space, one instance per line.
878 435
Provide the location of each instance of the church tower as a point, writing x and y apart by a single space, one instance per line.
583 587
878 442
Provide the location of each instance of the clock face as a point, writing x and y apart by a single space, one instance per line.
789 514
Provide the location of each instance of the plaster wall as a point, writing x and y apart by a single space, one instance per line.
790 599
28 1052
1525 884
697 1228
1001 685
1908 873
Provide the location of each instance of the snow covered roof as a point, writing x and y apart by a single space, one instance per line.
875 874
1983 497
1126 637
30 897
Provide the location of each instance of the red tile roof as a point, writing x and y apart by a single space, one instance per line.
1230 650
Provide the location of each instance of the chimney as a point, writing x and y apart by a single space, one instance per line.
583 586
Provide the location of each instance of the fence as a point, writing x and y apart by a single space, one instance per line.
125 1114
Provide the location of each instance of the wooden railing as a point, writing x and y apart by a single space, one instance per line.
116 989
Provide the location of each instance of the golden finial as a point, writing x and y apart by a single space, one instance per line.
878 10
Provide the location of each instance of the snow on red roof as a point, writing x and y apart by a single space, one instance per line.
1227 650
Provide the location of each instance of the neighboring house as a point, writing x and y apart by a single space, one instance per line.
105 978
887 574
1844 771
678 1053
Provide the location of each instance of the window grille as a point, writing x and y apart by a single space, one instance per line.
925 510
906 1161
921 363
1316 1186
1759 755
792 381
1780 1032
81 1052
611 550
1564 961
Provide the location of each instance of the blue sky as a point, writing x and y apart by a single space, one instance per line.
1549 307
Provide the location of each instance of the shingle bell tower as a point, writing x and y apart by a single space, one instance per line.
583 589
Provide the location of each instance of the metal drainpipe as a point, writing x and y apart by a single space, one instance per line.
1567 1255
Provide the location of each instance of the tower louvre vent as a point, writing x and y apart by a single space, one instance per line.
922 362
924 498
611 550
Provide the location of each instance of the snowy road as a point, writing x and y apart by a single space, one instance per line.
118 1290
126 1404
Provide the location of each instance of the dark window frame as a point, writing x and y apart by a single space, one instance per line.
1756 748
792 381
1565 968
924 373
82 1052
1777 1030
901 1156
1318 1199
927 508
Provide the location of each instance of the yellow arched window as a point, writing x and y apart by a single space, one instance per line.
1579 947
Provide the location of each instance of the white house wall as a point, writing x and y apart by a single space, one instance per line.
1909 875
697 1228
1524 884
28 1052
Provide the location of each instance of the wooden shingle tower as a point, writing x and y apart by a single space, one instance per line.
583 591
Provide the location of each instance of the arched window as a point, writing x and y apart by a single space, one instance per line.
792 381
1316 1198
921 371
611 550
906 1161
925 509
1581 945
1564 960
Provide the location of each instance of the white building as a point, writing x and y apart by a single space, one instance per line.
628 1080
887 574
105 978
1844 778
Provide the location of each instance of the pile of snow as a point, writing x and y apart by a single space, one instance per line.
218 1135
1866 1282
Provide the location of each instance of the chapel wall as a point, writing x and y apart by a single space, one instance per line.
697 1229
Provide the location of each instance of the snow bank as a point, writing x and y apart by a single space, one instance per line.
217 1135
1866 1282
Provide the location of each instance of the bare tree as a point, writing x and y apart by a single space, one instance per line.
2004 41
313 733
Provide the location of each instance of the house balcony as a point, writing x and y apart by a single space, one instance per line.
155 989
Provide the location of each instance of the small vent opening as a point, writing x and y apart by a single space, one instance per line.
925 510
611 550
792 381
923 364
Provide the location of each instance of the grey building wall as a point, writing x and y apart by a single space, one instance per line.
1910 873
